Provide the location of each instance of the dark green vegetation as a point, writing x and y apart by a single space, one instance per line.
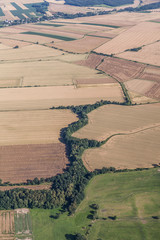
52 25
50 36
142 8
134 49
112 3
67 188
102 25
1 13
19 12
127 204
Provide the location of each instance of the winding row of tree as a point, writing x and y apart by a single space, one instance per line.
67 188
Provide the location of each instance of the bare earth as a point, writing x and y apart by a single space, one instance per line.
32 160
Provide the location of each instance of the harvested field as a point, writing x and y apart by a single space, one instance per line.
9 83
44 70
32 160
121 69
147 88
113 119
149 54
46 97
13 43
82 45
92 61
32 187
68 57
28 52
53 7
138 98
126 151
154 91
137 36
31 38
7 225
33 127
91 82
2 46
151 73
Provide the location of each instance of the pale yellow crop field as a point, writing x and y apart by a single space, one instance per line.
137 36
28 52
138 98
12 43
112 119
3 47
82 45
149 54
47 72
139 86
119 19
46 97
137 150
33 127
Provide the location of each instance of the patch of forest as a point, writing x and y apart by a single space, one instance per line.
112 3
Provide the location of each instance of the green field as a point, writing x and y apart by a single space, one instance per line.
1 13
50 36
52 25
133 197
101 25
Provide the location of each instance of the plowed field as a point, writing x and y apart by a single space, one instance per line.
121 69
21 162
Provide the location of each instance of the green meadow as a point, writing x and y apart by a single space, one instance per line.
129 209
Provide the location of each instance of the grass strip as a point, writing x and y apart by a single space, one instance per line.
50 36
101 25
47 24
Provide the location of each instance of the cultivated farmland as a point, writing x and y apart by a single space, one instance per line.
114 119
31 139
15 225
139 35
46 97
126 151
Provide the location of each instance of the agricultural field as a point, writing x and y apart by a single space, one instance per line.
46 97
140 35
113 119
31 139
15 224
149 54
132 197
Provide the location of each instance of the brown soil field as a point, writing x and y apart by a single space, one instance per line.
28 52
113 119
107 80
33 127
92 61
82 45
149 54
147 88
151 73
43 71
154 92
46 97
121 69
32 160
126 151
32 187
137 36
